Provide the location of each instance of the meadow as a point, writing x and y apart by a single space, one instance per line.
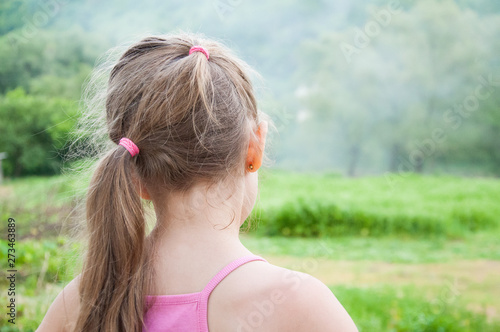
407 253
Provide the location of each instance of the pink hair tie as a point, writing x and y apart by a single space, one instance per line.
129 145
199 49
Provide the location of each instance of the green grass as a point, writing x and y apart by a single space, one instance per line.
312 205
389 249
406 310
41 206
41 261
416 220
43 266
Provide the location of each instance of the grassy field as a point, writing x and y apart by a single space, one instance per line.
416 206
416 254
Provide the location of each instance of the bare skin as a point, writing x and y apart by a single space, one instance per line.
196 235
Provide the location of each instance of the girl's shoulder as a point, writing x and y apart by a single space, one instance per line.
63 313
266 297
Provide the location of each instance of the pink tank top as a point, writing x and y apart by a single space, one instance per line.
187 312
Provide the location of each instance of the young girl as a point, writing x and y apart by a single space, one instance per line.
188 137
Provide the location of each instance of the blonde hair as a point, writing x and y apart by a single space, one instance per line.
192 120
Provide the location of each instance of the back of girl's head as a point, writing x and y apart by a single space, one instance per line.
192 117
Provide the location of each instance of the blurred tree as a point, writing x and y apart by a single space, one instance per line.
394 79
12 13
34 131
54 63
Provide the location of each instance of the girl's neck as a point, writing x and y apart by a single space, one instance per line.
200 223
188 251
198 239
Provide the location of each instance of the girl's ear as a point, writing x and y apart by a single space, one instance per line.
143 192
256 148
141 189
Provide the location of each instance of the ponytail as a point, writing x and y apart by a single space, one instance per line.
112 280
200 83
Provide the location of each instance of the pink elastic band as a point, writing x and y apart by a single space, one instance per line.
199 49
129 145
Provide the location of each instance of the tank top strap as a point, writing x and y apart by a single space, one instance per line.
227 270
205 293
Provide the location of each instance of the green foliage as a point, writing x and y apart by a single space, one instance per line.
35 130
391 248
405 310
387 92
52 63
42 266
15 13
40 205
311 218
311 205
40 261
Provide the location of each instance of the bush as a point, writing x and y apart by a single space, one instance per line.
308 218
34 131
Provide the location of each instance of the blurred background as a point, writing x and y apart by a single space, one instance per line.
385 162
